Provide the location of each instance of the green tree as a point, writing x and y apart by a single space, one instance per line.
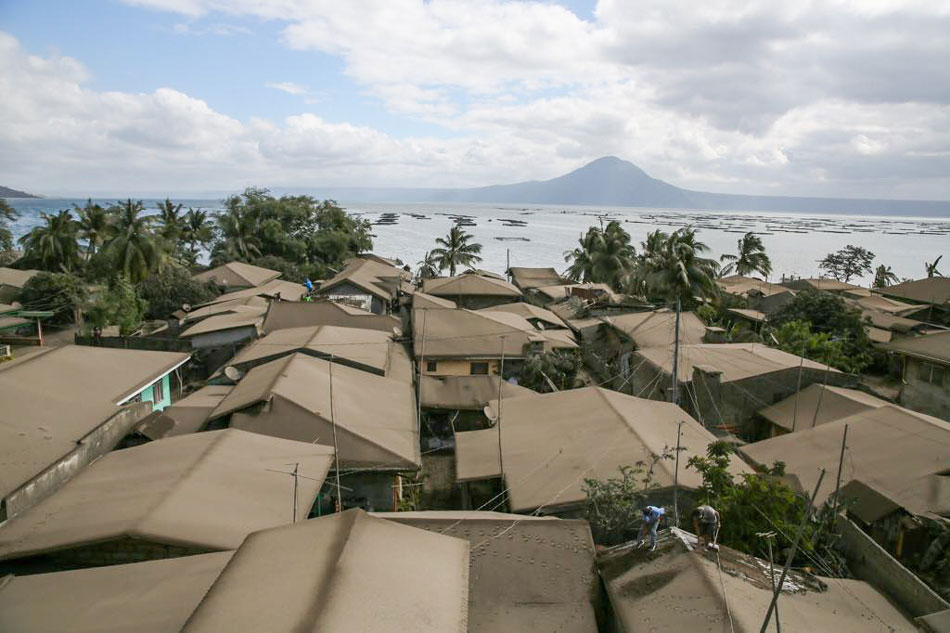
750 259
851 261
555 366
676 269
455 250
884 277
428 267
131 242
120 305
52 246
93 225
828 314
602 256
7 214
932 268
197 232
171 223
761 502
797 337
172 286
60 293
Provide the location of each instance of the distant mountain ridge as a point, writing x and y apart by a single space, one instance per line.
6 192
611 181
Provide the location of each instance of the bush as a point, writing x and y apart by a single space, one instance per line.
290 271
120 305
560 367
166 290
61 293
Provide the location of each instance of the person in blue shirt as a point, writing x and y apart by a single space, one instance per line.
652 516
309 285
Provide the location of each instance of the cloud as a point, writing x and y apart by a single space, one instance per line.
836 97
289 87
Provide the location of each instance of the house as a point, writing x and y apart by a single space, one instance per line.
884 327
229 329
466 342
758 295
238 275
188 415
192 494
246 304
366 283
343 572
551 442
471 290
899 452
543 578
422 301
538 317
816 405
724 384
370 350
370 418
156 596
285 314
925 373
680 588
274 289
931 295
828 285
589 292
467 393
530 278
65 407
12 282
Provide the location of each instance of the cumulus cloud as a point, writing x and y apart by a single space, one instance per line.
835 97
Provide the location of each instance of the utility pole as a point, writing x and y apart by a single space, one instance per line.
791 554
508 263
676 355
501 380
676 476
768 536
336 447
296 466
844 441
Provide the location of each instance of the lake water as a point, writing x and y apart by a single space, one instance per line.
538 235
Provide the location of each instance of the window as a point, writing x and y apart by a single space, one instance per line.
479 369
432 365
931 373
158 391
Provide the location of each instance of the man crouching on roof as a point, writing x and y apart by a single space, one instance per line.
652 516
706 523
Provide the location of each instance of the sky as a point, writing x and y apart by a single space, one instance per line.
843 98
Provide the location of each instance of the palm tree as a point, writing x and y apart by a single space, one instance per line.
93 225
455 250
239 236
603 256
197 230
677 270
751 258
131 241
884 277
170 221
428 267
7 213
932 268
53 246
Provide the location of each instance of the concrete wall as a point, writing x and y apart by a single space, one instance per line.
147 343
870 562
148 395
357 296
923 396
224 338
95 444
456 367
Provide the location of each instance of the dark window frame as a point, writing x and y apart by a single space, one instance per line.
479 364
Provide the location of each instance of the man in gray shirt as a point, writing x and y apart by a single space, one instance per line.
706 522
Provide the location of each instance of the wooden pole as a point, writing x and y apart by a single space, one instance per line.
501 380
676 475
778 624
791 555
296 465
422 355
821 394
798 389
844 439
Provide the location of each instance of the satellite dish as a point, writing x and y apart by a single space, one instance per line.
233 373
489 413
186 307
397 332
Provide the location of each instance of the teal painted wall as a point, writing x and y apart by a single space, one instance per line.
148 395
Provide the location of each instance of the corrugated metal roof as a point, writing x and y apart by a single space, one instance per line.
237 274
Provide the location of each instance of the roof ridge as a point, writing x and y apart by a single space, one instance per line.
341 540
629 426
